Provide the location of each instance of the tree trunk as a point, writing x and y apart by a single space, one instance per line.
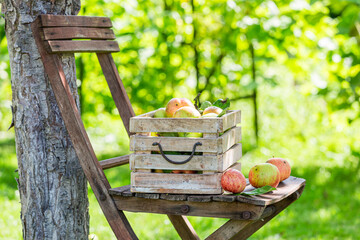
52 185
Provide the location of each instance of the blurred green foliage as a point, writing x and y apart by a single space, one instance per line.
307 79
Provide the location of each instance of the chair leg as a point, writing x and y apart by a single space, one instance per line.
183 227
242 229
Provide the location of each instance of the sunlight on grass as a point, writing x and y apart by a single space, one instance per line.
10 219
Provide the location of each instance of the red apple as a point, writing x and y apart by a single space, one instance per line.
233 181
283 166
189 172
264 174
174 104
176 171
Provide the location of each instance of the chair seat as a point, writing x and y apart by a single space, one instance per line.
221 206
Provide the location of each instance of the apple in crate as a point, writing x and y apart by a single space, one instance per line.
187 112
283 166
212 109
233 181
174 104
264 174
160 113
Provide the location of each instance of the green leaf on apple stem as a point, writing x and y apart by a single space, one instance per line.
259 191
222 103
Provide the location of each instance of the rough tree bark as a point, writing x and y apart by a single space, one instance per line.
52 185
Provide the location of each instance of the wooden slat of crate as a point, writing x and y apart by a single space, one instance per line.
176 183
145 123
75 21
214 162
78 33
216 145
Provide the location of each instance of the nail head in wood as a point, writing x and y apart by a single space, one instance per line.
246 215
185 208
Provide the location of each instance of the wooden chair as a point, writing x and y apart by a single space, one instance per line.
53 35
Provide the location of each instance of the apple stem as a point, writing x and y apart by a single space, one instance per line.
197 100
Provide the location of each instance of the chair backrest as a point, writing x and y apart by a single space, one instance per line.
60 30
53 35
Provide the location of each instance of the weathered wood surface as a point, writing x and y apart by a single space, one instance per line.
209 145
114 162
233 210
287 188
145 123
183 227
209 154
80 139
229 229
217 163
117 89
74 21
176 183
57 33
97 46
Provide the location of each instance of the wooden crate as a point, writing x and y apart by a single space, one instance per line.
220 150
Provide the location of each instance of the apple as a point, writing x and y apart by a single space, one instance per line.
189 172
212 109
233 181
210 115
187 112
264 174
160 113
283 166
159 171
174 104
176 171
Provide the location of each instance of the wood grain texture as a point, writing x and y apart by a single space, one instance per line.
228 230
145 123
209 154
57 33
80 139
183 227
291 186
117 89
114 162
74 21
217 163
97 46
209 145
285 188
233 210
176 183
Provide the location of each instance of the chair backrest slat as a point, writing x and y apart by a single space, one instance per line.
75 21
98 46
60 33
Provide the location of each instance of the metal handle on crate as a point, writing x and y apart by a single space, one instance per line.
173 162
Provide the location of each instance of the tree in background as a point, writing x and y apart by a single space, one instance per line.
52 185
